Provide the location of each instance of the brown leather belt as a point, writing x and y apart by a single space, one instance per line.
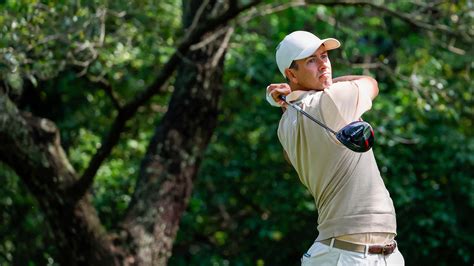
373 249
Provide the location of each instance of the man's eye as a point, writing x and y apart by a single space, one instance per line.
324 56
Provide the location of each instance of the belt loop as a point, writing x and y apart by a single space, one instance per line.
332 242
366 250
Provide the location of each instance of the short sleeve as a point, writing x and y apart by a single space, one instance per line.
350 101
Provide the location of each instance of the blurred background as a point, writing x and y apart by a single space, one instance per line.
247 205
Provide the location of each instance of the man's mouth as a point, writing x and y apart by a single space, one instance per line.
324 75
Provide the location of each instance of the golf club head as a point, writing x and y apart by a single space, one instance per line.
357 136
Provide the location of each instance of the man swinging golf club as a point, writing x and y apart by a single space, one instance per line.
356 217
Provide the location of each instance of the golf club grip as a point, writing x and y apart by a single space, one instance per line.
297 108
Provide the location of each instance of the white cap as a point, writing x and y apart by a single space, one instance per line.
299 45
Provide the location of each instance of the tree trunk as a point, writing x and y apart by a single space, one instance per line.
31 147
175 152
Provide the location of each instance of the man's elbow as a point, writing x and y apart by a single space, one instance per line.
374 87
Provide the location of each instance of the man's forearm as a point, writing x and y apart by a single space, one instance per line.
348 78
364 82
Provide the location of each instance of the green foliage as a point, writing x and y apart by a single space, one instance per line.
67 86
248 206
21 220
423 119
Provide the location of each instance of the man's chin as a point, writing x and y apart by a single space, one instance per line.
327 82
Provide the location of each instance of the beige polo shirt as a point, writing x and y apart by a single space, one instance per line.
348 190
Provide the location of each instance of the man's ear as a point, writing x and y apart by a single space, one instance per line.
290 76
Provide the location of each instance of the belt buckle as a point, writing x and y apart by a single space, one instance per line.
389 248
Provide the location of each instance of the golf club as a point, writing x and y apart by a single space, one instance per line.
357 136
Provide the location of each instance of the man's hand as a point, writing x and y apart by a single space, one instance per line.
274 91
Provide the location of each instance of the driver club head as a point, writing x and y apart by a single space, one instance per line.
358 136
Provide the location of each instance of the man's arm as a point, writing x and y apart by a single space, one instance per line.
363 82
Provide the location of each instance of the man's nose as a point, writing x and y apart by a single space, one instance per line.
322 66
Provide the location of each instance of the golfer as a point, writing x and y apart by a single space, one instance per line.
356 217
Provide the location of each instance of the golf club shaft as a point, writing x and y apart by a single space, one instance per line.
297 108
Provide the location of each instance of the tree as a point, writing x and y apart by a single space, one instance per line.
248 207
31 147
79 65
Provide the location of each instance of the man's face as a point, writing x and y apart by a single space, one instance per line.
313 72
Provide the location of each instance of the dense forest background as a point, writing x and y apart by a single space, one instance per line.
137 132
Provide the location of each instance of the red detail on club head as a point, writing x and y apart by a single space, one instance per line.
366 143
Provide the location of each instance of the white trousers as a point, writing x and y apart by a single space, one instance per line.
324 255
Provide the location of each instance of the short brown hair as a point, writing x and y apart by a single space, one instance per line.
294 65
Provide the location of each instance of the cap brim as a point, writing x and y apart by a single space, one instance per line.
329 44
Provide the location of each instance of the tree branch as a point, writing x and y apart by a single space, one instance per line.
269 9
31 146
222 48
105 85
463 36
128 111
